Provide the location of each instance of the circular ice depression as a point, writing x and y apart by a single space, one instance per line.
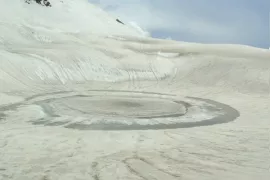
129 110
120 107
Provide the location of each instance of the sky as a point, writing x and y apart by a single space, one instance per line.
205 21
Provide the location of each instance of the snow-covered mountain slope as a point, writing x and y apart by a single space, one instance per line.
83 96
63 16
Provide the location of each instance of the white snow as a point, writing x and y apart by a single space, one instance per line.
139 29
75 50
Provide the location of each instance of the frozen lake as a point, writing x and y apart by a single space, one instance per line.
79 101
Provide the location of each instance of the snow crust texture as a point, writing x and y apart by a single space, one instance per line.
85 97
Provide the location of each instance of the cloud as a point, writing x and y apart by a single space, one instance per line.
242 21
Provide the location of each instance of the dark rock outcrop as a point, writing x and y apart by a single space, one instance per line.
41 2
47 3
119 21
